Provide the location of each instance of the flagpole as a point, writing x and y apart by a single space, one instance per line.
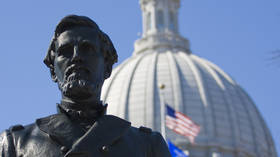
162 110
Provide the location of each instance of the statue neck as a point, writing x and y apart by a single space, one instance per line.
86 112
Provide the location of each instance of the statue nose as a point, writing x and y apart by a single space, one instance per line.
76 55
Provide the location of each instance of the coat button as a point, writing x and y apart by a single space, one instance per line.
63 149
104 148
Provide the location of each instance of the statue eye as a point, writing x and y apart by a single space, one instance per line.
86 47
66 50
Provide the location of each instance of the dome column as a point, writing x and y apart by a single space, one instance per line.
160 27
159 16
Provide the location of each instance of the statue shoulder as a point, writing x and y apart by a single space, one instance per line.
6 135
8 132
9 139
17 127
145 130
154 135
158 146
7 147
16 131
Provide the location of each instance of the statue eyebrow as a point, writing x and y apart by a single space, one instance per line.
69 43
89 42
63 46
66 42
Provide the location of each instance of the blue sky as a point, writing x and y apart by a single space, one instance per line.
239 36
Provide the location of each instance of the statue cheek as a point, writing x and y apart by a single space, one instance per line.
60 65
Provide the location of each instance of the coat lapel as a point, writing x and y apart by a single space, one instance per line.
105 131
60 129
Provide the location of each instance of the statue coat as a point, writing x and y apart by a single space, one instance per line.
58 136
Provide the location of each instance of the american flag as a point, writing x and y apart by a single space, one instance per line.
181 124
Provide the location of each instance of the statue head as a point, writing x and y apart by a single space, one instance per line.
80 57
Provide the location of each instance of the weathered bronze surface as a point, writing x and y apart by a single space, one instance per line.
80 58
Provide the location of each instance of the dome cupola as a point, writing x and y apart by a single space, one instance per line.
160 27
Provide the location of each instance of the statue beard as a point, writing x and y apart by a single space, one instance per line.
78 88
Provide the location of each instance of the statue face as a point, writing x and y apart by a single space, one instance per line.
79 63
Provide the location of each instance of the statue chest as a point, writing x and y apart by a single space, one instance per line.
41 145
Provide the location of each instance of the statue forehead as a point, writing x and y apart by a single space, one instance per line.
78 34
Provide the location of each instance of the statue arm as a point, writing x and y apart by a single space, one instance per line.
7 148
159 146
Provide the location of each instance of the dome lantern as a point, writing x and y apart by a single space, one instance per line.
160 26
160 16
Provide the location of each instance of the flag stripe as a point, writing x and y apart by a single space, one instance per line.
176 121
183 129
191 127
171 123
181 124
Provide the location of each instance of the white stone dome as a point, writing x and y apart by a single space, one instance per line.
229 120
231 125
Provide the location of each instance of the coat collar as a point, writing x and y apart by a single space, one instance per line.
104 132
60 129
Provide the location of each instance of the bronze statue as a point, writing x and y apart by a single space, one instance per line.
80 58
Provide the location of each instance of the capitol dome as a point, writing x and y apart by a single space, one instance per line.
231 125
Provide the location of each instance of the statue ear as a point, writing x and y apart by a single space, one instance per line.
108 70
49 59
51 66
53 75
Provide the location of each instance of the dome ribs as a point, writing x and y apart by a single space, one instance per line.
211 108
251 123
107 86
225 75
268 138
223 92
230 122
208 126
137 107
210 70
123 101
197 77
192 104
163 76
151 86
176 85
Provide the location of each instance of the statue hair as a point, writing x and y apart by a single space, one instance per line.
72 21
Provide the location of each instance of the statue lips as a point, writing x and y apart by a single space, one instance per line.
75 71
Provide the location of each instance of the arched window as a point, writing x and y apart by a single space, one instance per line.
160 20
149 21
171 20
